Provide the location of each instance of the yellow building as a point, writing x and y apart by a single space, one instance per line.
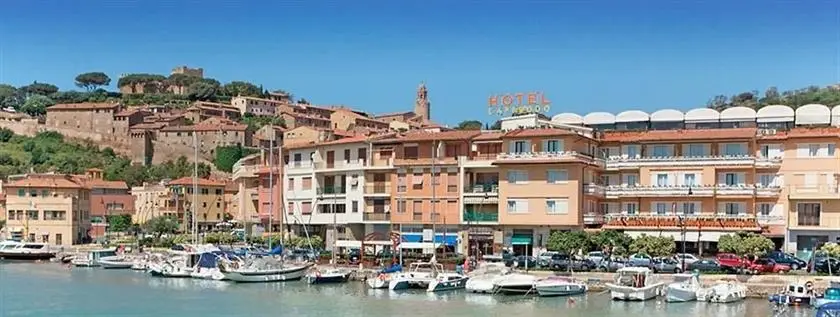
48 208
149 202
210 203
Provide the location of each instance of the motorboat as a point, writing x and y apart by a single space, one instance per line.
447 281
727 292
795 294
384 277
419 275
328 276
262 270
116 262
207 267
92 258
483 279
559 286
30 251
179 264
514 283
634 284
684 288
831 295
140 263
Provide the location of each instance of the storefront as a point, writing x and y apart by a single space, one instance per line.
520 240
481 241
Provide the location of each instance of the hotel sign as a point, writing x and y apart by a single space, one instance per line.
518 103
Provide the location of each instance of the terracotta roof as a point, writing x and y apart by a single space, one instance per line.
394 114
489 136
344 133
93 183
188 181
83 106
209 125
677 135
148 126
822 132
456 135
46 181
524 133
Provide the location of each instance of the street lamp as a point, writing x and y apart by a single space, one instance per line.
682 229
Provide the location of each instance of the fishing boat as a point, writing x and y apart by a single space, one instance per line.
262 270
116 262
447 281
327 276
559 286
382 279
684 288
831 295
483 279
92 258
727 292
28 251
795 294
514 283
634 284
419 275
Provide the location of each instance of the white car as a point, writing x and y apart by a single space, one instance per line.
689 258
545 258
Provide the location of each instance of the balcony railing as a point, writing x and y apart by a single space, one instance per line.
594 189
480 216
814 191
772 219
377 189
593 217
359 163
299 164
484 157
386 162
619 162
691 222
819 220
332 190
548 156
482 189
735 190
368 216
641 191
768 161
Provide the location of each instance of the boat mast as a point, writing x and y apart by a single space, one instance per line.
435 148
270 189
195 188
335 221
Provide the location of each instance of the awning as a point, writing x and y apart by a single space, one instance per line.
521 240
690 236
417 245
348 244
451 239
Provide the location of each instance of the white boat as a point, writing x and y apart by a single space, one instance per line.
139 264
727 292
262 270
380 281
207 266
179 264
419 275
514 283
684 288
92 258
447 281
32 251
483 279
559 286
634 283
327 276
115 262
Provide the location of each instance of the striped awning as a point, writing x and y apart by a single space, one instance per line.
481 200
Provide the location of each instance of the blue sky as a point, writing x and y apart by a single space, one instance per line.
584 55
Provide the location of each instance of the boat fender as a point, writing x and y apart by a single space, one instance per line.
382 277
809 285
317 273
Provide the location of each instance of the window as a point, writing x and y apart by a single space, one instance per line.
517 177
521 147
764 151
689 208
632 151
808 214
354 206
401 206
552 146
410 152
21 192
661 208
306 208
557 206
204 191
306 183
831 148
689 180
517 206
347 155
661 151
766 180
813 150
291 184
417 181
452 182
732 209
731 179
661 180
632 180
696 150
556 176
58 239
289 209
417 206
765 209
631 208
732 149
401 186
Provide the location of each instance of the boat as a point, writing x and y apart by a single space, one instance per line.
514 283
635 284
384 277
829 310
483 279
262 270
727 292
419 275
684 288
795 294
207 267
29 251
92 258
332 275
116 262
831 295
179 264
140 263
447 281
559 286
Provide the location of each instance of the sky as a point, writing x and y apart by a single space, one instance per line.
583 55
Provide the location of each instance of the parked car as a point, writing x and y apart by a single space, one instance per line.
640 260
767 265
707 266
611 265
544 259
730 260
666 265
596 257
827 265
523 261
686 257
564 262
787 259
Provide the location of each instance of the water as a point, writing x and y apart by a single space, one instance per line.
50 289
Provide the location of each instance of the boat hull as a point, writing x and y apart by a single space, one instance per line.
679 295
448 285
282 275
560 290
480 285
619 292
327 278
513 289
23 256
819 302
722 293
789 300
378 282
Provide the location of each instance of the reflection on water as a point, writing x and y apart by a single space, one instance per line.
97 292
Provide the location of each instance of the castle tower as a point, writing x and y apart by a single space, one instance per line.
422 107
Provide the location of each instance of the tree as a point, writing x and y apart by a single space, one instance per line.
36 105
257 122
227 156
6 135
71 96
653 245
612 241
202 91
569 242
119 223
161 225
831 249
241 88
496 125
9 96
92 80
42 89
469 125
303 101
745 243
182 80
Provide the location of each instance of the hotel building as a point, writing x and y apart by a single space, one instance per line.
48 208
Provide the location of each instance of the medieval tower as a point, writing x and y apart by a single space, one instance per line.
422 107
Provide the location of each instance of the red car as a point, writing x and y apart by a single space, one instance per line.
730 260
767 266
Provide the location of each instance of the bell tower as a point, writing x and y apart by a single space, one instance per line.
422 106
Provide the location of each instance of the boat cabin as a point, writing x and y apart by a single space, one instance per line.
800 289
633 276
7 245
425 267
96 255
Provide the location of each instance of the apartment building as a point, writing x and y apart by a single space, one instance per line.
48 208
149 202
255 106
209 201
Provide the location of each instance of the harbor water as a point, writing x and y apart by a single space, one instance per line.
50 289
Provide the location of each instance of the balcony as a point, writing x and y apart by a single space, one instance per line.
594 189
548 157
377 190
695 222
479 160
735 190
299 167
481 190
616 163
819 221
814 192
767 191
616 191
377 217
768 162
593 218
771 220
332 190
425 161
475 216
340 165
381 163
